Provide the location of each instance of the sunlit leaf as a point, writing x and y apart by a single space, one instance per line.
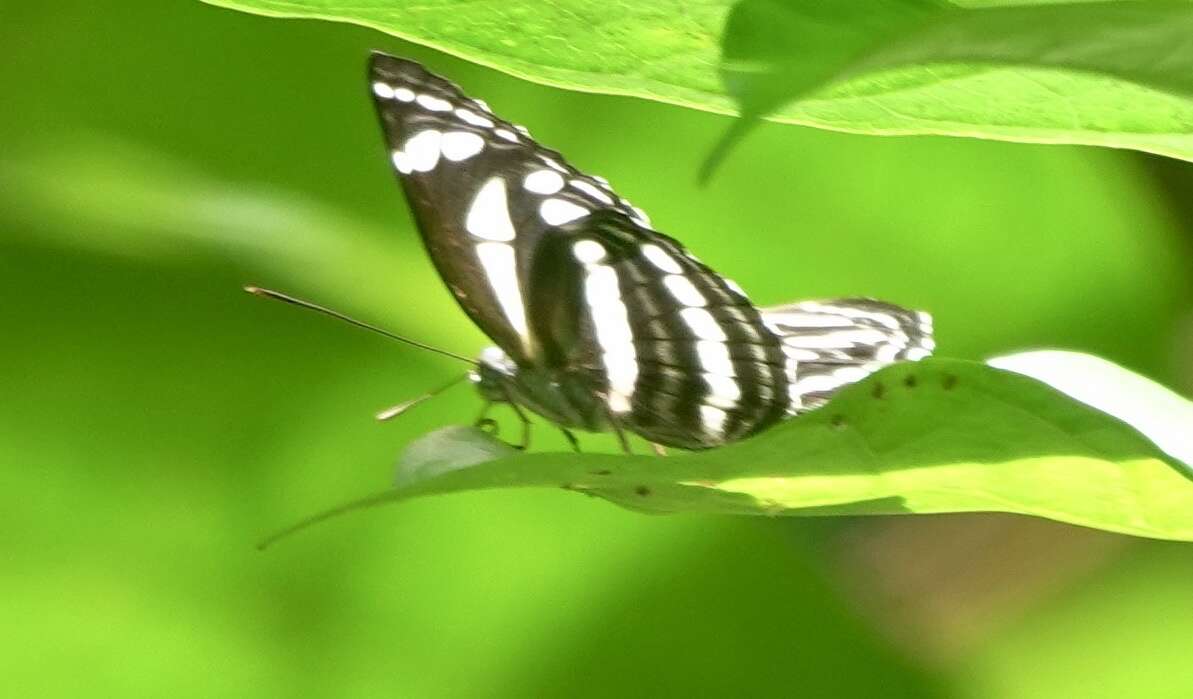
929 437
1160 414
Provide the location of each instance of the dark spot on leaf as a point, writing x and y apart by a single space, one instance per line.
909 381
879 390
948 382
602 472
642 490
837 422
566 486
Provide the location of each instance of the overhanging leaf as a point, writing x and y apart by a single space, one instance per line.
779 51
927 437
1109 73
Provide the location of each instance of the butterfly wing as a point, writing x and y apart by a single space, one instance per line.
686 359
483 194
836 342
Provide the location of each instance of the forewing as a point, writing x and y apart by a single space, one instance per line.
483 193
832 343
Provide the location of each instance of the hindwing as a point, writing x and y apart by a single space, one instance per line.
688 360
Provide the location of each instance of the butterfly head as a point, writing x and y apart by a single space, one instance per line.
567 398
494 374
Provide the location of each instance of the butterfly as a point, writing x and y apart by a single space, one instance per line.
602 323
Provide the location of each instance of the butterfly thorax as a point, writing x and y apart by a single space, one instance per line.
567 397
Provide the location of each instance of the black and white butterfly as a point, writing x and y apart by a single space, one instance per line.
601 322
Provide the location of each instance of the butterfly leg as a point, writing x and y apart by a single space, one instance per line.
525 426
571 438
484 422
521 416
487 424
491 426
621 438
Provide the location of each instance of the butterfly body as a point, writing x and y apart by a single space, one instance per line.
601 322
567 396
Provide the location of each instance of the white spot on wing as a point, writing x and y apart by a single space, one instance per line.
489 216
383 91
817 384
423 150
684 290
795 400
461 145
713 419
851 374
703 325
800 355
887 353
471 117
821 383
612 325
588 251
804 320
543 182
659 258
402 162
839 339
506 134
879 317
501 269
714 357
404 94
433 103
723 391
736 288
557 212
592 191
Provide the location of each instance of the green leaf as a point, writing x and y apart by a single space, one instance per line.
928 437
977 65
1100 73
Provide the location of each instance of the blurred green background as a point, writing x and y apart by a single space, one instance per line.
155 421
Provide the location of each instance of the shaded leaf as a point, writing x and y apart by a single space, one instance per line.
121 199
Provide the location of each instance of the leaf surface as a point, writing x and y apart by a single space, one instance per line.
933 436
1099 73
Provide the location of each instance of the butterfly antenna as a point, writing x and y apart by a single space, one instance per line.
279 296
392 412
